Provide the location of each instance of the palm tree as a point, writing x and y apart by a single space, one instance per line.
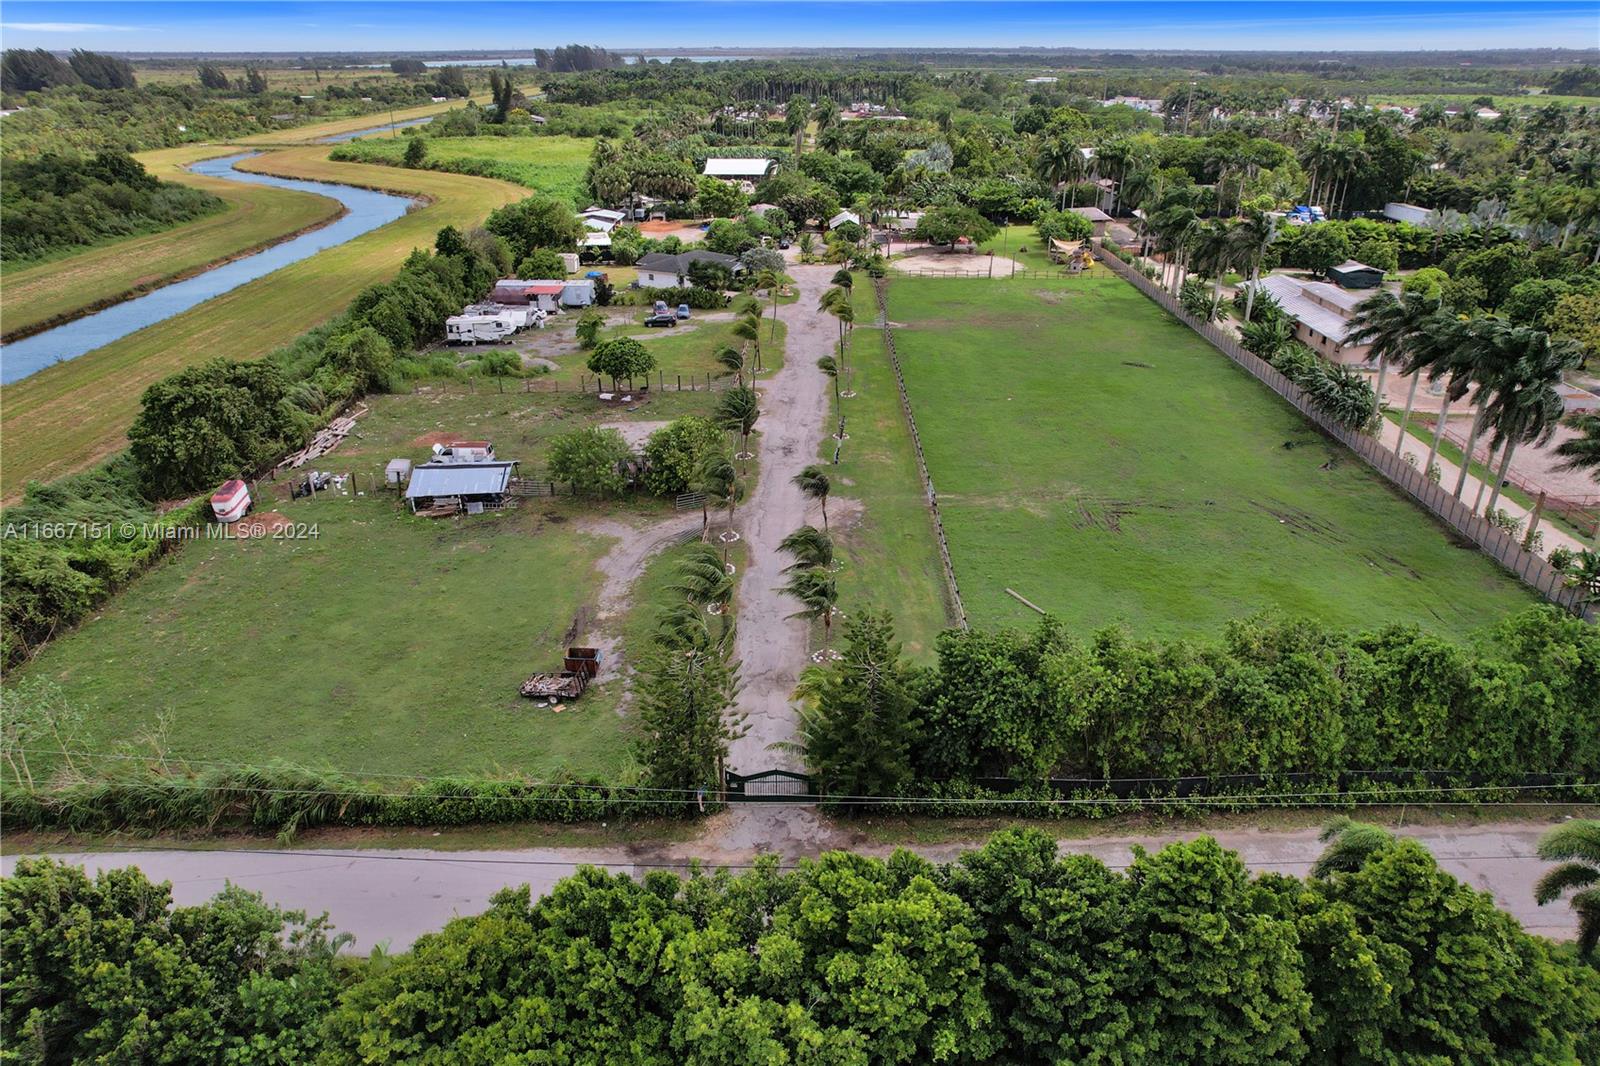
814 485
1214 254
1576 846
1350 845
1176 229
817 594
830 366
1055 162
843 279
703 579
1478 359
733 359
811 547
750 331
1390 325
771 280
1526 407
1252 237
718 482
738 410
1583 451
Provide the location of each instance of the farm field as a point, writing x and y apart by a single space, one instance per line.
1097 457
553 165
70 415
310 133
891 556
390 643
256 216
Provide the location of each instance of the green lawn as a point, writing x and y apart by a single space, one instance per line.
891 557
389 644
553 165
1100 459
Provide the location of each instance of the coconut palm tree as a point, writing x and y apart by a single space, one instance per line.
738 410
843 279
830 366
1576 846
1526 406
702 578
750 331
1350 845
817 594
733 359
1252 237
771 281
811 547
718 481
1056 161
814 485
1583 451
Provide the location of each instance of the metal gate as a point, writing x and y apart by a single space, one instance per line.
770 786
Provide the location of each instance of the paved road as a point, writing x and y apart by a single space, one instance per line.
394 896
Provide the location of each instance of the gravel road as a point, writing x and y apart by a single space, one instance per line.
770 646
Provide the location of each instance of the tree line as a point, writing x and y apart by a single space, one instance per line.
1269 698
1011 953
54 202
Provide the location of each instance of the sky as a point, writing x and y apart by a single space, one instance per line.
435 25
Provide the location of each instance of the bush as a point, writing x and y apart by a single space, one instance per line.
592 460
676 451
1064 226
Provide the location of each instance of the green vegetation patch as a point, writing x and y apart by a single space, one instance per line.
1100 459
553 165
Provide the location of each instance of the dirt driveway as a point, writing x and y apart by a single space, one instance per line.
772 647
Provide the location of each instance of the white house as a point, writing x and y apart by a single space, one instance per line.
658 270
600 219
1321 314
842 217
738 171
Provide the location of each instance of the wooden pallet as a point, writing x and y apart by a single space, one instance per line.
326 440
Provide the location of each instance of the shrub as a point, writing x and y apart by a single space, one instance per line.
591 460
676 451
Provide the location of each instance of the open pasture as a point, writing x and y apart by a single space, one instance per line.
1101 460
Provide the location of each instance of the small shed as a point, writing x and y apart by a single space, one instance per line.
1097 218
398 472
1353 275
447 486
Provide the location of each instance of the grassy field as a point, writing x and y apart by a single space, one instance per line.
389 643
70 415
1098 458
553 165
891 557
256 216
313 132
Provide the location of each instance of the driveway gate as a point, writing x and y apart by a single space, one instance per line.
770 786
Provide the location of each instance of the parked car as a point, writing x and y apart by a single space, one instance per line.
662 318
659 308
784 242
683 310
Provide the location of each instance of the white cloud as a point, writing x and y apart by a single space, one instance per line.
62 27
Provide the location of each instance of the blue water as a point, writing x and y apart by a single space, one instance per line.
364 210
338 138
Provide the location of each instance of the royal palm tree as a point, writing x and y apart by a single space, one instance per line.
1390 325
814 485
817 594
1252 237
1477 361
811 547
1176 228
1576 846
1215 252
1526 406
738 410
1583 451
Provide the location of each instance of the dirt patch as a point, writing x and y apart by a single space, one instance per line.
940 261
258 526
437 436
685 231
635 433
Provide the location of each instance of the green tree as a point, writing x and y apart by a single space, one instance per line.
1323 247
942 225
542 263
860 715
1391 327
366 355
684 696
1576 847
591 460
621 358
588 328
416 153
1577 315
1427 283
210 422
676 451
1064 226
817 594
811 548
1582 452
1499 269
738 410
536 222
719 199
109 970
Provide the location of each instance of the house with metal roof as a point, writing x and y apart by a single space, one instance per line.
842 217
471 487
1321 314
738 170
1097 218
659 270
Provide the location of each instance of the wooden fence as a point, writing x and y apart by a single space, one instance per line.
1501 546
589 384
957 608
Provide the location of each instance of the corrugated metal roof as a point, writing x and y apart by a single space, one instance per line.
1291 296
736 168
459 479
